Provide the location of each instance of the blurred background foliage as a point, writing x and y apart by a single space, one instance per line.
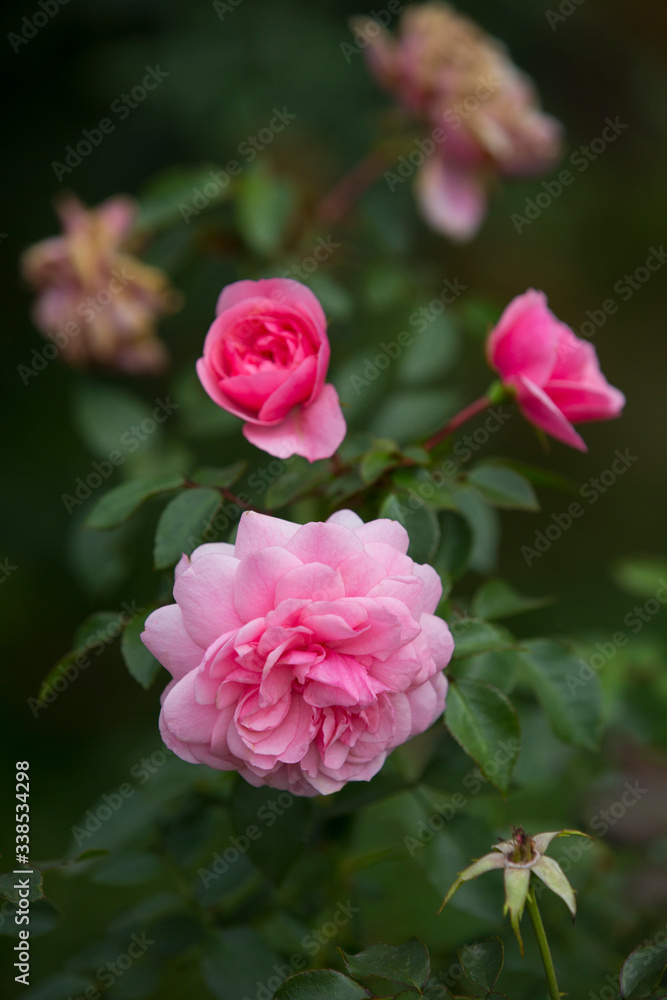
226 76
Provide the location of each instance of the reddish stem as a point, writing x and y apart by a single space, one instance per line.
466 414
338 202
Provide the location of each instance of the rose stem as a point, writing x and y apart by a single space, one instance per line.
543 945
466 414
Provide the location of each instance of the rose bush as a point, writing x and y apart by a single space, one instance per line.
556 376
483 112
302 654
265 360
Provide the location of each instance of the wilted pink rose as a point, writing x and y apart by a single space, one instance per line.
555 374
483 113
97 304
265 360
302 654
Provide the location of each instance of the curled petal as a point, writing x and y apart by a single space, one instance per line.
486 864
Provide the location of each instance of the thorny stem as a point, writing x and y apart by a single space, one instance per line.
338 202
543 945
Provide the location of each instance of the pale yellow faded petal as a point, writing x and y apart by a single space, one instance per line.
517 881
554 878
479 867
542 840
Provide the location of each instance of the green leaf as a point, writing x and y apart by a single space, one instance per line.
455 545
472 637
375 464
235 961
276 833
482 720
120 503
298 478
570 698
128 868
406 964
160 203
641 577
140 662
503 487
482 962
9 888
220 478
484 522
433 350
409 415
497 599
105 417
325 985
643 970
182 524
421 525
498 668
264 206
543 477
94 633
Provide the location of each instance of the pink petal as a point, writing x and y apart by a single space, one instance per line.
285 291
324 543
258 531
580 403
525 339
432 585
385 530
204 593
543 412
256 579
315 582
314 431
166 637
452 199
347 518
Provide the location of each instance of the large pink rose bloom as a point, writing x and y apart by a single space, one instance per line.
482 111
302 654
555 374
265 360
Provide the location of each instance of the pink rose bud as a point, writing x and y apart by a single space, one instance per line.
265 360
303 654
555 374
97 304
482 113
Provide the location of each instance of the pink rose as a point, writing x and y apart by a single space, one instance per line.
556 375
99 304
302 654
265 360
482 113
